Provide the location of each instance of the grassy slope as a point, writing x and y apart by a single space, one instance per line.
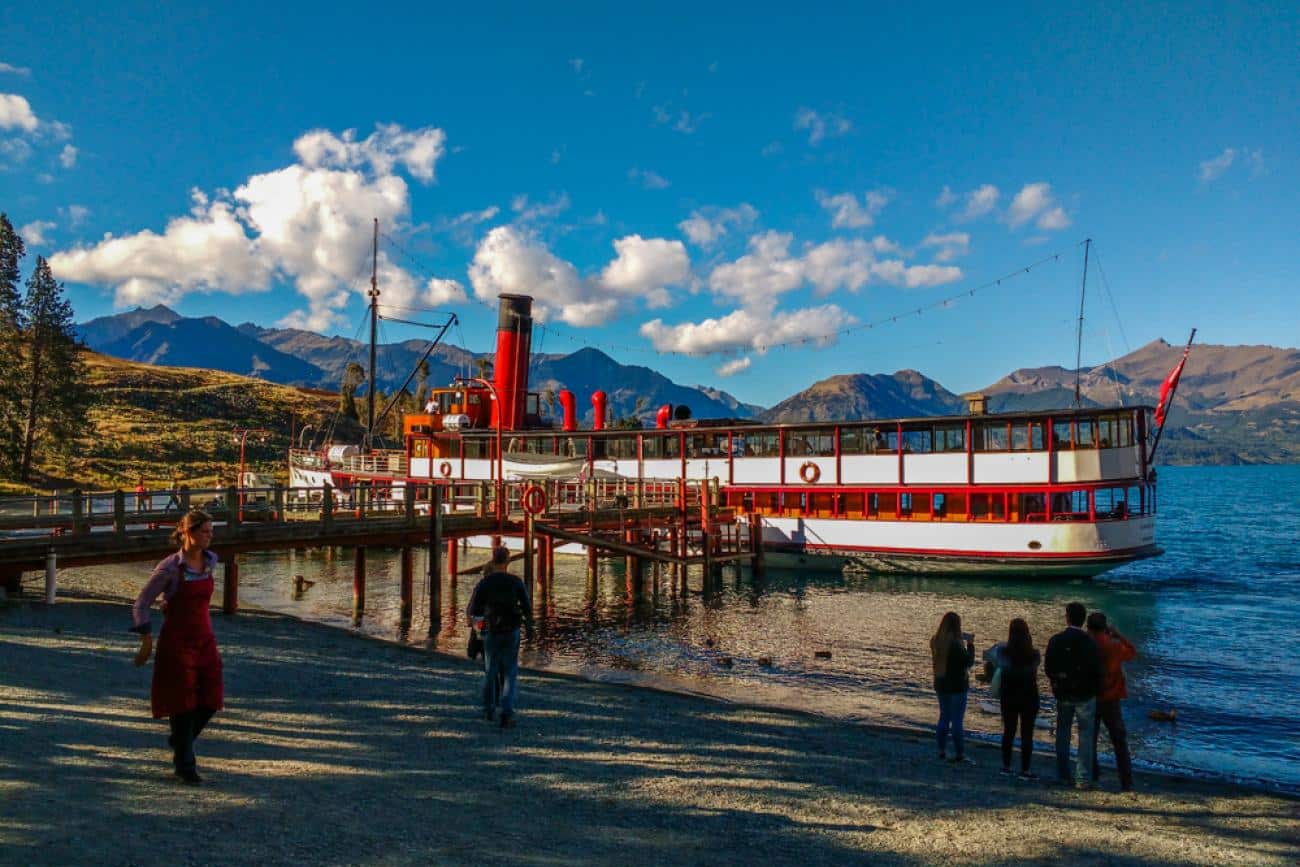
158 421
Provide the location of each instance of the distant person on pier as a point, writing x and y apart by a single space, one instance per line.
143 502
952 653
497 608
1073 666
1018 662
187 684
1115 650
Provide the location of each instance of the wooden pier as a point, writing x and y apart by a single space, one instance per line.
672 522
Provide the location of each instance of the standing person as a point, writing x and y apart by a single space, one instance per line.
1115 650
952 661
187 686
1018 662
497 607
143 502
1074 670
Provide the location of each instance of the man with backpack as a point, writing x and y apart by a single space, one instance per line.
1073 666
497 608
1115 650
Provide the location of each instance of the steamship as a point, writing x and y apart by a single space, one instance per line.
1035 494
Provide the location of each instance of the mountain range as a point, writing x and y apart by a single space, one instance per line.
1235 404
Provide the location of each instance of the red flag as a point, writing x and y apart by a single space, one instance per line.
1167 389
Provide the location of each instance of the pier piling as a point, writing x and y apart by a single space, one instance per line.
230 586
359 583
407 587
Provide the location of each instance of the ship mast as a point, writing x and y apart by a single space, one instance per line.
374 325
1078 341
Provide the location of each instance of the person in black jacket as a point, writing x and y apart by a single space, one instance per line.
496 609
952 661
1073 667
1017 662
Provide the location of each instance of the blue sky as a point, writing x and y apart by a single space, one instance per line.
688 187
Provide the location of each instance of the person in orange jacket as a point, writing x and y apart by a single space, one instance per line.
1115 650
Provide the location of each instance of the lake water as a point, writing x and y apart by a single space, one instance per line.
1214 621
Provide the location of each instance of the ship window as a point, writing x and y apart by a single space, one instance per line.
761 444
918 441
1027 436
1116 503
940 509
622 447
852 505
1085 433
419 448
953 507
988 507
867 440
809 443
822 505
710 444
873 505
1124 430
992 437
1070 506
1031 507
652 447
573 447
532 406
1061 436
1134 500
477 449
793 502
539 445
950 438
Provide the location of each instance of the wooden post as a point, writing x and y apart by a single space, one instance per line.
756 544
407 588
550 564
78 511
183 499
529 547
327 506
279 502
51 576
542 542
230 586
234 511
119 512
453 560
408 491
435 558
593 566
359 583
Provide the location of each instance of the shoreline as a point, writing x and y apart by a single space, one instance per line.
343 751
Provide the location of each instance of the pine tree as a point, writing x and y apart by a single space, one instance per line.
353 375
54 397
11 326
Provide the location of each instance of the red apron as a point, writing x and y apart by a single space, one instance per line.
187 669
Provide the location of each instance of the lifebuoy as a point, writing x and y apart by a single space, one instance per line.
534 500
810 472
444 469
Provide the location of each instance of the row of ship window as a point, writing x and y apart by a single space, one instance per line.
1114 503
1104 431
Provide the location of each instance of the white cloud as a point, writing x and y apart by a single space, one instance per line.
77 214
946 198
440 292
979 202
15 70
15 151
645 267
647 179
527 211
749 330
418 151
847 213
820 126
950 246
511 260
1212 168
34 233
576 63
770 270
731 368
16 113
308 224
705 226
1035 200
68 156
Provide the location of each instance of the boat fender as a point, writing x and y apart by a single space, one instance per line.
810 472
534 500
444 469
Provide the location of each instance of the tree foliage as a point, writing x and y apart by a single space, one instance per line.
11 325
353 375
52 399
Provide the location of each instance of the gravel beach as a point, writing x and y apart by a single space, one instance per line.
339 749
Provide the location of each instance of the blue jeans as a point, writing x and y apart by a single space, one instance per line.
952 712
1066 711
500 664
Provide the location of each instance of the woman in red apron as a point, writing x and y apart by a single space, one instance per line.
187 671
